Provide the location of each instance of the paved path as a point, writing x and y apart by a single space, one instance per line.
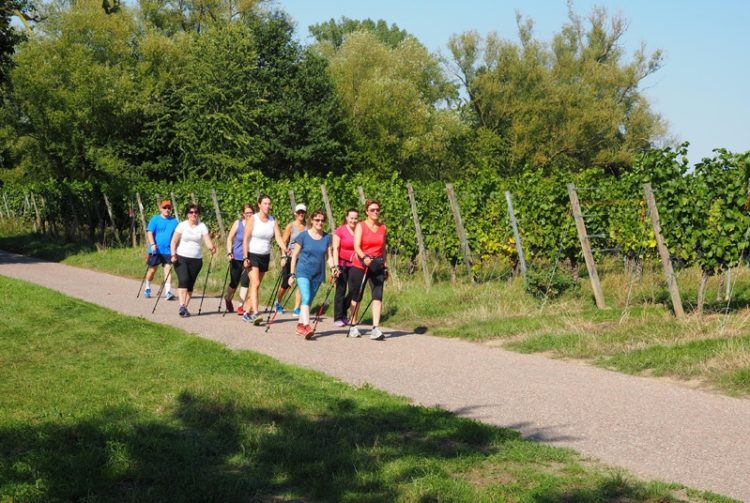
655 429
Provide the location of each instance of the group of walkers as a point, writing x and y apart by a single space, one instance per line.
354 254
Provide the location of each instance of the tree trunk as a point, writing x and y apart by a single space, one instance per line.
720 288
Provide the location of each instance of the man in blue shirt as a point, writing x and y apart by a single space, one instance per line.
159 231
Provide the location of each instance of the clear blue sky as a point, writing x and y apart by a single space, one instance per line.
702 90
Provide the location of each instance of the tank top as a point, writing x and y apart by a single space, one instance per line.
373 243
260 239
237 243
295 232
346 246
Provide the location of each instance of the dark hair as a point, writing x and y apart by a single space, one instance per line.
192 206
315 214
248 206
371 201
350 210
261 197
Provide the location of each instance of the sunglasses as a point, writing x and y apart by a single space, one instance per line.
318 220
374 210
193 212
166 207
249 213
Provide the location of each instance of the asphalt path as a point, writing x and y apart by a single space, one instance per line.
654 428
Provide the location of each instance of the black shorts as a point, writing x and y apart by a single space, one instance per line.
237 274
356 276
259 261
156 259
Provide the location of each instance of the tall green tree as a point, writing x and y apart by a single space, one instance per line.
333 32
569 104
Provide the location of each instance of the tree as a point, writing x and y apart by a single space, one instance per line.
570 104
333 32
394 100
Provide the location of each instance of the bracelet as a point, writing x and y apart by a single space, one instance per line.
292 275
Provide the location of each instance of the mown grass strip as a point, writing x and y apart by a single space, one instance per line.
97 406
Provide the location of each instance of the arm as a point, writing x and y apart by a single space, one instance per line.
209 244
230 238
151 241
245 239
277 235
332 262
173 245
287 235
293 268
336 244
358 246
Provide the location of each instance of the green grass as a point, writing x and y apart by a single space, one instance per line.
637 334
97 406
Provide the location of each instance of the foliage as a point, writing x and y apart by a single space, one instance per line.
568 105
549 284
334 32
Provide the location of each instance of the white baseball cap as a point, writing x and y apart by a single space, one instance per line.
300 207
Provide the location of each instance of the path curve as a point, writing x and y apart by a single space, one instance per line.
653 428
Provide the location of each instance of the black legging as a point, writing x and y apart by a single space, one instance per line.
187 271
343 297
237 275
376 283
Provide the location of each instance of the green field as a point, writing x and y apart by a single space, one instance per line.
97 406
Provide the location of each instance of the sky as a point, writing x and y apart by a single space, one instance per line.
702 89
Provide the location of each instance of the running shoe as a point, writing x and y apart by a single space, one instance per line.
230 306
183 312
376 334
240 311
295 312
278 307
258 321
169 296
308 332
249 317
300 329
147 293
340 323
354 332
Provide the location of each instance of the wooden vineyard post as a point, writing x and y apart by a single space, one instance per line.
586 246
175 209
516 235
329 213
361 192
460 229
420 239
131 214
36 213
143 219
192 198
292 200
666 262
112 219
158 200
222 234
7 209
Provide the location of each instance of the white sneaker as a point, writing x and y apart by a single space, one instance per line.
376 334
353 332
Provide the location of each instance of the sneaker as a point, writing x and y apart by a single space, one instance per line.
258 321
300 329
147 293
340 323
183 312
376 334
295 312
169 296
279 308
308 332
354 332
250 318
240 311
230 306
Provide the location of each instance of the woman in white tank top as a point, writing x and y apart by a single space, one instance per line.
256 247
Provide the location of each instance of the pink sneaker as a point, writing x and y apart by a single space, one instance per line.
340 323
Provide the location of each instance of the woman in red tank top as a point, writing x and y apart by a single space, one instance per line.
369 264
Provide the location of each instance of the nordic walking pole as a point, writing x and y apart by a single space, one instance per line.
223 288
274 312
361 291
323 306
148 266
276 286
205 283
161 289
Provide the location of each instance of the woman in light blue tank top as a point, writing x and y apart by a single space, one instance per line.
237 273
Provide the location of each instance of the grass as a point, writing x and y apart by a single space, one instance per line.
97 406
636 334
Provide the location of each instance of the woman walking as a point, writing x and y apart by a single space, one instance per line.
187 256
343 251
314 248
235 257
256 248
369 263
292 230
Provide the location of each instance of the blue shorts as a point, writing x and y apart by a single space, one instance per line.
156 259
